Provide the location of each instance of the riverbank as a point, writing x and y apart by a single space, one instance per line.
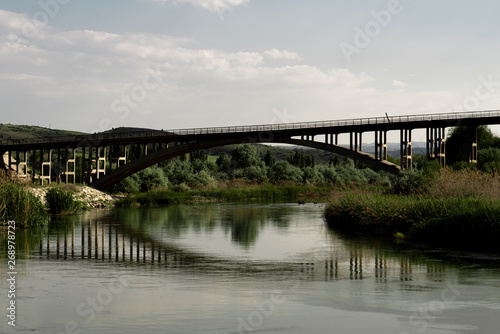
458 210
240 193
28 206
90 198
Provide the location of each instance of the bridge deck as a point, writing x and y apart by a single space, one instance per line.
316 127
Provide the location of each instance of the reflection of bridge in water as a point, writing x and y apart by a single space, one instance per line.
98 241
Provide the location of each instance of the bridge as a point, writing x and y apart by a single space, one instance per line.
102 159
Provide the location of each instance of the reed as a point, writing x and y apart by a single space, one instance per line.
19 205
459 210
249 192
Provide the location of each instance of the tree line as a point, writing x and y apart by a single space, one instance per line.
198 170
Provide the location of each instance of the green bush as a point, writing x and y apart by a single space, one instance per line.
458 222
61 202
283 171
21 206
128 185
150 178
410 182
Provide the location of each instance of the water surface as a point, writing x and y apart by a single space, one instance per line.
240 268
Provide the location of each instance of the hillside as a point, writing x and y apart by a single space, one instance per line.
11 131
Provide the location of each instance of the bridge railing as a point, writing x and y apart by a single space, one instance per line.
259 128
339 123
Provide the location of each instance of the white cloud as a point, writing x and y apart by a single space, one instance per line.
399 84
72 78
282 54
217 6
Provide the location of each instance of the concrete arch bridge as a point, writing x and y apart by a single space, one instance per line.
104 158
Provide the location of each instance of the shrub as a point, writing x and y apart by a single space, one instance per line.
283 171
151 178
410 182
128 185
21 206
312 175
61 202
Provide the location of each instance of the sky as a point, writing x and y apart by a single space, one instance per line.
94 65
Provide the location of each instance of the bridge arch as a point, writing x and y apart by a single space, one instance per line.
153 158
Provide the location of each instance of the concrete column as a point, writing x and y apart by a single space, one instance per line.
473 155
46 172
436 144
381 145
22 166
70 167
406 150
100 162
123 159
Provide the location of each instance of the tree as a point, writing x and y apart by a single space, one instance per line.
245 156
284 171
460 139
269 159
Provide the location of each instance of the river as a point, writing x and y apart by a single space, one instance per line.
239 268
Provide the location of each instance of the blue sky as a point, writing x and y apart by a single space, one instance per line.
92 65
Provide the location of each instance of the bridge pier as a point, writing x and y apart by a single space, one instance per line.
436 144
406 149
70 170
473 155
356 141
46 172
100 162
381 145
22 166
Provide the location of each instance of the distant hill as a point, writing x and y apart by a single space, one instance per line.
10 131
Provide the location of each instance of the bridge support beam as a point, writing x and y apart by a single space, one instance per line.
101 162
356 141
381 145
436 144
46 172
473 155
70 171
22 166
332 138
406 150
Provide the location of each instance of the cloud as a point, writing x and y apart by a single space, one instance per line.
93 80
217 6
400 84
281 54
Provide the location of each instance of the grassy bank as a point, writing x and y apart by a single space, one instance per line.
19 205
267 193
459 210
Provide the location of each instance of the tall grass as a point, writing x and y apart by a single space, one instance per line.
19 205
459 209
267 193
465 183
60 201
